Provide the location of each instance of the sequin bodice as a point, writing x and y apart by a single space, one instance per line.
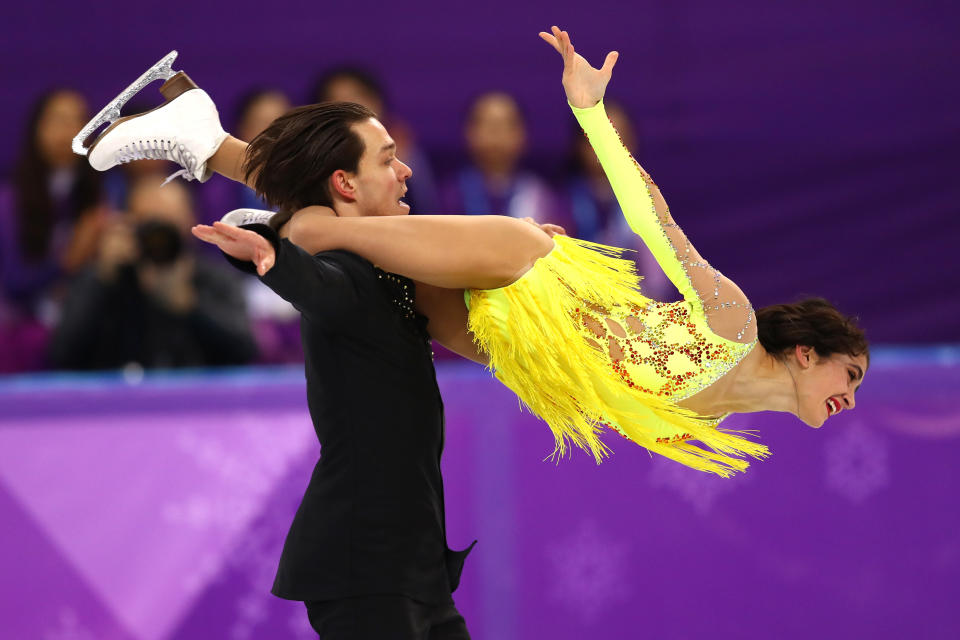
676 349
661 348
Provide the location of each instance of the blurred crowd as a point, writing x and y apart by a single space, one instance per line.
99 270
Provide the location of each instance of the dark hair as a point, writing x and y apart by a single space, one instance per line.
295 156
34 210
812 322
361 76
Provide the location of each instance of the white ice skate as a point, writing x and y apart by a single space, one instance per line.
184 129
240 217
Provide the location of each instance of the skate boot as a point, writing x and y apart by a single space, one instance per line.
241 217
185 129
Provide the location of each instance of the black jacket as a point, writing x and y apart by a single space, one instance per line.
107 325
372 519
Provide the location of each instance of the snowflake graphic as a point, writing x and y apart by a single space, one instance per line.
857 463
700 490
68 627
248 477
588 570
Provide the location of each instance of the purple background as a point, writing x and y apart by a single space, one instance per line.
156 510
806 148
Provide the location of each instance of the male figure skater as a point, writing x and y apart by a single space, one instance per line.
367 550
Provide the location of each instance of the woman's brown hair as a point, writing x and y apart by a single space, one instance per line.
812 322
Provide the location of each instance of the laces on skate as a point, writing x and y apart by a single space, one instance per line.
161 150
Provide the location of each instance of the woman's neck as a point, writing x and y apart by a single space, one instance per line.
760 382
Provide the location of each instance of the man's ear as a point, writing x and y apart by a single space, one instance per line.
342 183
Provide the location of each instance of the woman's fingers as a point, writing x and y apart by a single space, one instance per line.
549 39
609 62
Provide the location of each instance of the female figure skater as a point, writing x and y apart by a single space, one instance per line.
563 321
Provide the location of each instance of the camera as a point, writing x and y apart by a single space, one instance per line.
159 242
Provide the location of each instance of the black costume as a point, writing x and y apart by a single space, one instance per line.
372 520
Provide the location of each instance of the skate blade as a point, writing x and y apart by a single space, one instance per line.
111 113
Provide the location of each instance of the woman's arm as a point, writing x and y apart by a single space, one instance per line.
447 251
726 307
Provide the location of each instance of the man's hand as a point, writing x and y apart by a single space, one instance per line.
584 85
241 244
549 229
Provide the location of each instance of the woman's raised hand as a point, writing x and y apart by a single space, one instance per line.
584 85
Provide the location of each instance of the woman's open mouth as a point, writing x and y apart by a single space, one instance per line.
833 407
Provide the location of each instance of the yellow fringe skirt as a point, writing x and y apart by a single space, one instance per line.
537 350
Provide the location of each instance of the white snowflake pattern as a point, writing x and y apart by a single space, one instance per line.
700 490
248 476
857 463
588 571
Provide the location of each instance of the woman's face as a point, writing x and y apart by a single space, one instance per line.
826 386
62 118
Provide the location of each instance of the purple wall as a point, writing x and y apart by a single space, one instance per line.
156 510
806 148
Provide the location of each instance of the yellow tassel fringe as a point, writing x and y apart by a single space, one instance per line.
537 350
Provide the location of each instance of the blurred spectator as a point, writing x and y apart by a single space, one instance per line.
354 84
593 208
50 220
276 324
150 299
494 183
255 111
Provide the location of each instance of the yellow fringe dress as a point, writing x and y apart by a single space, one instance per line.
584 349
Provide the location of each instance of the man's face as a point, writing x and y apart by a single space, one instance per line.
381 178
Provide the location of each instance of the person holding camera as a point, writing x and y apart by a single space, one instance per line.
150 299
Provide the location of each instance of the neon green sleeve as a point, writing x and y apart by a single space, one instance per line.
709 293
633 193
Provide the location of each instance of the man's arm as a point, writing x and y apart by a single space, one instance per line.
318 286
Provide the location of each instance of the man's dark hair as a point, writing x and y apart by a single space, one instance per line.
295 156
812 322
